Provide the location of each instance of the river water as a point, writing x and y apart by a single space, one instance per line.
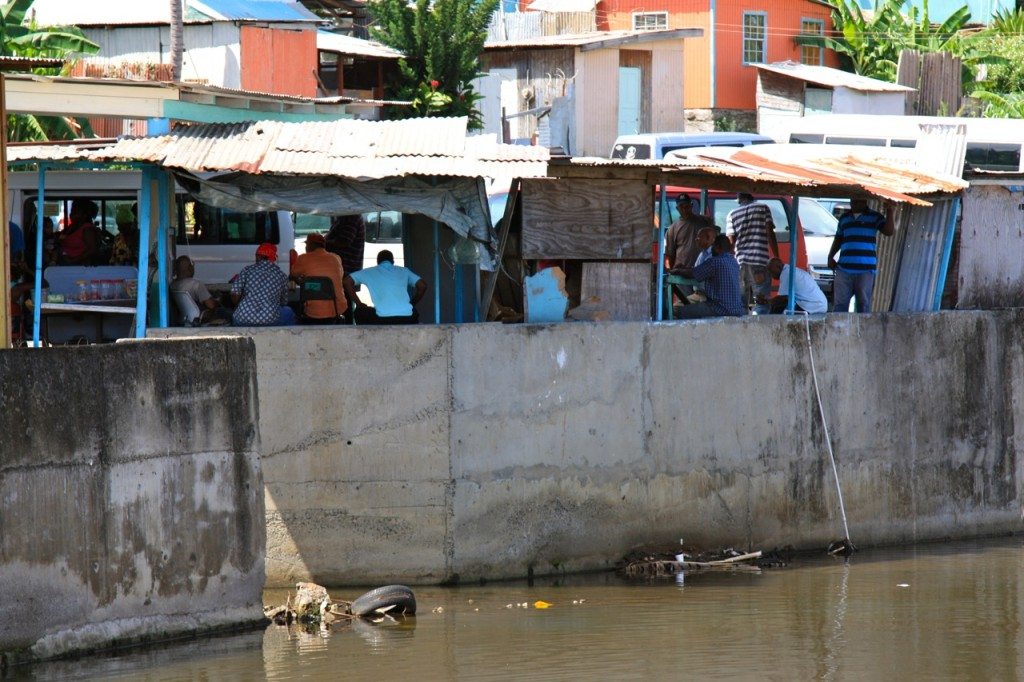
951 611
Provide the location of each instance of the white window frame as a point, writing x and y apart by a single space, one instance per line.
660 17
820 23
763 38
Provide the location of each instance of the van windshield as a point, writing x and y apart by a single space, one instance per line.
815 219
631 151
204 224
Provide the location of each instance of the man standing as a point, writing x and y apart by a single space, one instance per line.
681 246
753 234
395 292
720 276
809 296
347 240
318 262
855 242
260 292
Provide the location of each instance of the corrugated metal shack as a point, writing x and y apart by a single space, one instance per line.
595 215
578 91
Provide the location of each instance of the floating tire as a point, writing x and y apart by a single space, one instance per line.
399 598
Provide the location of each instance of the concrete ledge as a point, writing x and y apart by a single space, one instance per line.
130 494
485 451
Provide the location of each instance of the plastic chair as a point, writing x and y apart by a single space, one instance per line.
188 309
317 289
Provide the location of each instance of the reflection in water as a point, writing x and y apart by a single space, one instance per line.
958 617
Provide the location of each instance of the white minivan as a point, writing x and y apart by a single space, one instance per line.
657 145
221 242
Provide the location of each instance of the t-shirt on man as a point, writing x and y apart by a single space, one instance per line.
808 294
193 287
321 263
389 286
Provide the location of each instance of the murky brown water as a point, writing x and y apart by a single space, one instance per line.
934 612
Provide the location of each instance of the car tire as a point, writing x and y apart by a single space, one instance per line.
399 597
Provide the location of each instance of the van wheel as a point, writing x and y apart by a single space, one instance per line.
399 597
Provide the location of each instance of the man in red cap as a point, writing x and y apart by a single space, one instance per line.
260 292
318 262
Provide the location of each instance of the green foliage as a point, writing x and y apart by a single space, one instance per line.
1004 79
872 46
21 39
1001 105
1008 22
442 42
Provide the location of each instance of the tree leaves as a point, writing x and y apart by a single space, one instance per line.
442 42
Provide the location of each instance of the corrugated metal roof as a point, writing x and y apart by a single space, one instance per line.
335 42
344 148
820 169
583 39
833 78
8 63
149 12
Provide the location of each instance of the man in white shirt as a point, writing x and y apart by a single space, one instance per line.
809 297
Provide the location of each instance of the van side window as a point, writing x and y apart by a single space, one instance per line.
631 151
384 227
861 141
805 138
203 224
993 156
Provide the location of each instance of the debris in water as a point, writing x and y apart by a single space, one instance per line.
903 585
841 548
541 604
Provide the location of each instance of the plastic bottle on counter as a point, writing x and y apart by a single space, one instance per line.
81 290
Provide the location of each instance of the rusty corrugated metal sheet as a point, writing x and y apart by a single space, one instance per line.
912 263
868 171
344 148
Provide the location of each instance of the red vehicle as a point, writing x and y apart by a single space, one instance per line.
719 203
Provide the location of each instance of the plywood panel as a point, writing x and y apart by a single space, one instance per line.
624 289
667 88
597 100
586 219
290 71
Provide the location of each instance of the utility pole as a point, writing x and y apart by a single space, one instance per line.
177 39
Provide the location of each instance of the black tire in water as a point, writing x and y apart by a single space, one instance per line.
398 596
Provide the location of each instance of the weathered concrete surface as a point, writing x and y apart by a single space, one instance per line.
130 494
424 454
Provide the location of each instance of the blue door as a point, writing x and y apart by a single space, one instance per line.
629 100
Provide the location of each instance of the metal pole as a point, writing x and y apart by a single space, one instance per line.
37 293
437 272
5 236
659 313
143 285
161 245
794 217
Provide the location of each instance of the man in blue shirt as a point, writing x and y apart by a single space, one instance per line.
395 291
855 242
720 276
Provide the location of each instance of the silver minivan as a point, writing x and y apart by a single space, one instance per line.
657 145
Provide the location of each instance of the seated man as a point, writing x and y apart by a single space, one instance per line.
185 284
720 276
809 296
260 292
395 291
318 262
705 238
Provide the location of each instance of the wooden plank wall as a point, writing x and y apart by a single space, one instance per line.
586 219
623 289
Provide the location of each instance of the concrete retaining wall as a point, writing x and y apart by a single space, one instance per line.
427 454
131 499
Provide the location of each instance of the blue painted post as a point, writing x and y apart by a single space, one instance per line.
794 216
659 314
143 285
457 283
437 272
37 294
947 251
704 202
162 227
476 291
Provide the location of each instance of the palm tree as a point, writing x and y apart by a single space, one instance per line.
21 38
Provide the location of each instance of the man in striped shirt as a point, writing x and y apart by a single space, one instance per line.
753 234
855 241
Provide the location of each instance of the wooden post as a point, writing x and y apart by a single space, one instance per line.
5 241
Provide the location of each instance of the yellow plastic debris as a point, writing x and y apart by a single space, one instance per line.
540 604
